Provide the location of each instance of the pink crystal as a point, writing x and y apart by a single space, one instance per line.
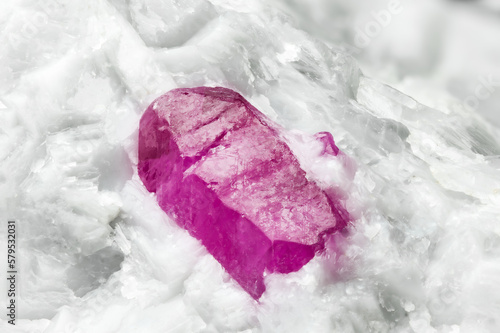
222 170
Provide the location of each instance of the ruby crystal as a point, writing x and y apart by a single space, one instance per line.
221 169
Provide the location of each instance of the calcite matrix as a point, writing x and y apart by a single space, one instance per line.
222 170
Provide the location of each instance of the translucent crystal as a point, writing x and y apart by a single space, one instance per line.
224 172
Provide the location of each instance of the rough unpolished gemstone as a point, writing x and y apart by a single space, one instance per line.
224 172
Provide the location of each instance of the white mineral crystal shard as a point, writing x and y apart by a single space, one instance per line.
97 254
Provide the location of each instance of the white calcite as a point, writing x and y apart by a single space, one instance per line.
97 254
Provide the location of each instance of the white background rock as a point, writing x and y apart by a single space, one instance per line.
96 253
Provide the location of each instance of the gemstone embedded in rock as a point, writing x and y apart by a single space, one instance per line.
222 170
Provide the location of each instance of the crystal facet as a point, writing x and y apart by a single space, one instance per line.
224 172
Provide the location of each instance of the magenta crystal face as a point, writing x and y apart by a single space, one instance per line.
222 170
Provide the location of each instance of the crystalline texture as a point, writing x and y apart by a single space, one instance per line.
222 170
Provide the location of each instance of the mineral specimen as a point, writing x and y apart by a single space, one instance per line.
223 171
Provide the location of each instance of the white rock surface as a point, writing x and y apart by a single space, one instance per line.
98 255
